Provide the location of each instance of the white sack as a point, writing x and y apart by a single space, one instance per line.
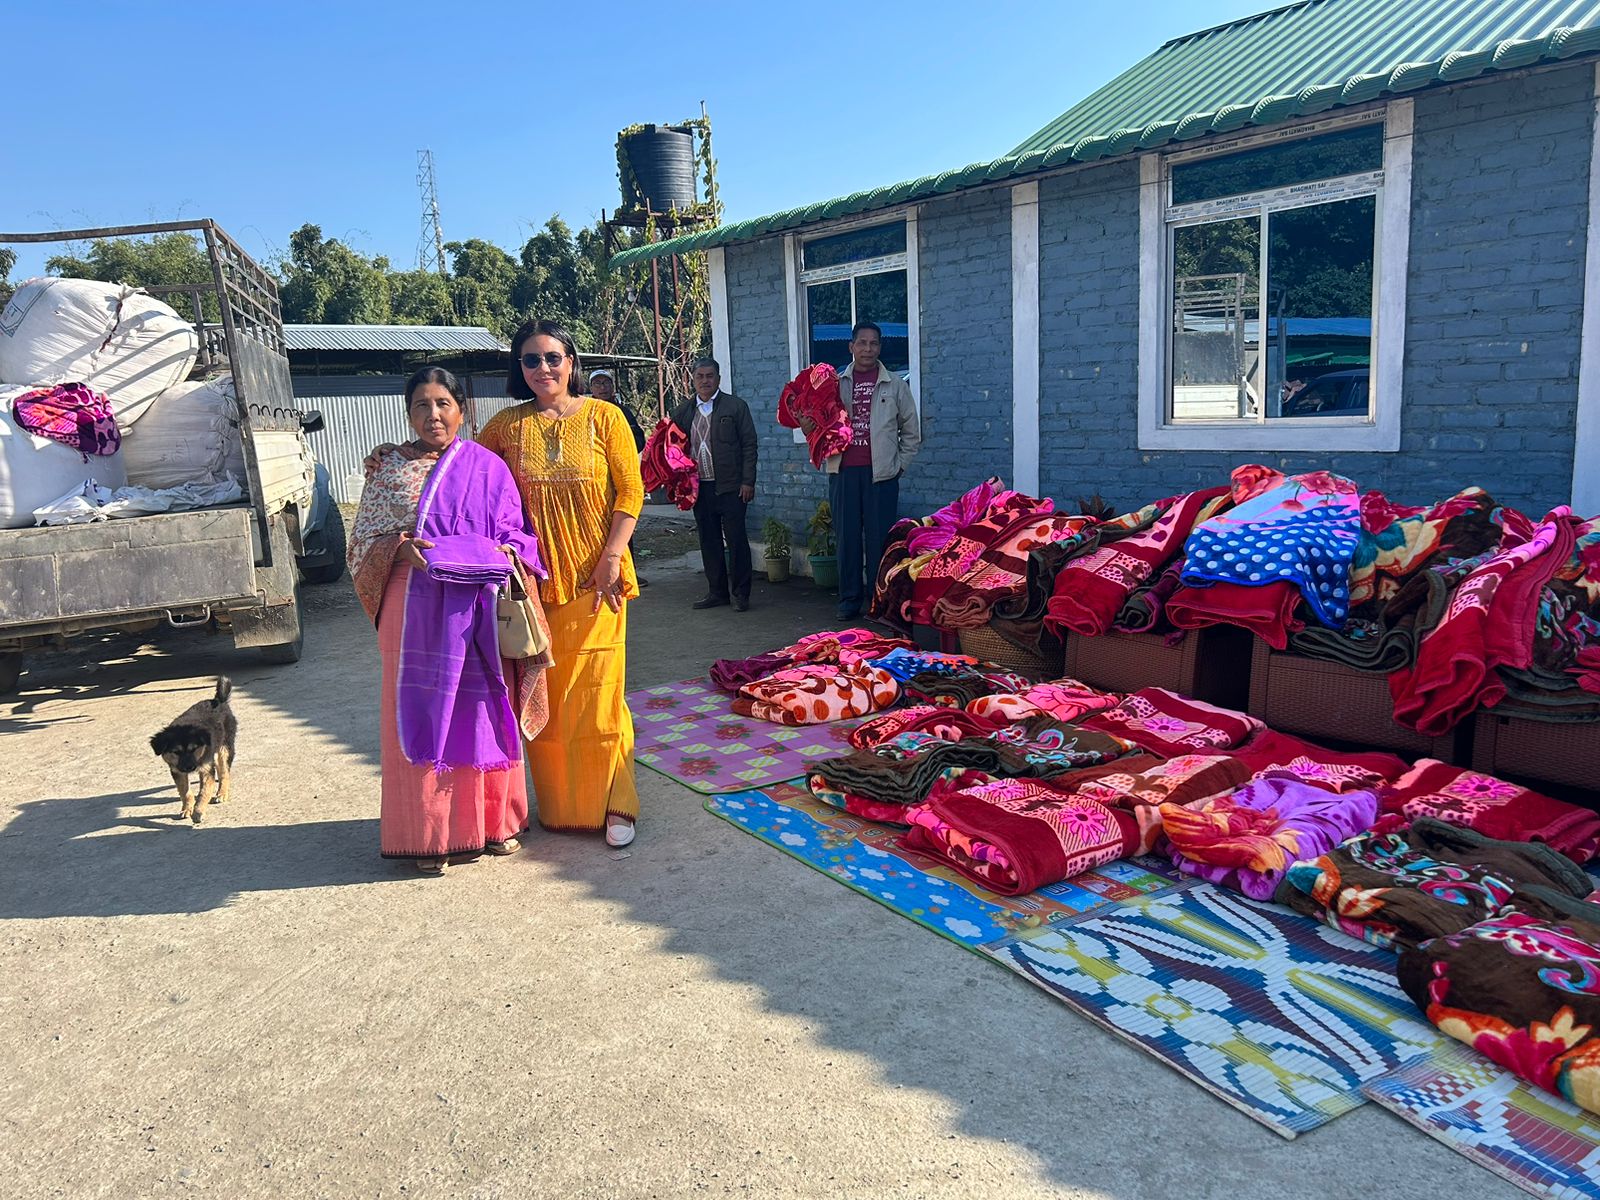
116 339
35 470
92 502
189 434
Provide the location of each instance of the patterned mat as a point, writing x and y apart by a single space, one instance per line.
869 858
1535 1140
1281 1017
689 732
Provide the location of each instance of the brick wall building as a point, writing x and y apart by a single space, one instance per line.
1416 236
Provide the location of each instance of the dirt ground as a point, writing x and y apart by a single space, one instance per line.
262 1006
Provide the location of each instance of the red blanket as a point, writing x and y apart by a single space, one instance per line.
963 554
1493 807
1001 572
1266 611
814 394
1089 590
1332 770
1490 623
665 463
1018 835
1167 724
952 724
815 693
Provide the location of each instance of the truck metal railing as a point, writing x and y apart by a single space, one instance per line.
249 340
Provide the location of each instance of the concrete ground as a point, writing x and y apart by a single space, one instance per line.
263 1007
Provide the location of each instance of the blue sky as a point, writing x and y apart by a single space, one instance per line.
268 116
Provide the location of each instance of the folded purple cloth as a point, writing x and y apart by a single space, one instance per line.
468 558
453 709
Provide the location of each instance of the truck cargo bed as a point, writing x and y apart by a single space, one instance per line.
160 562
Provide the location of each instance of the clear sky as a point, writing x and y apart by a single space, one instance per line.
265 116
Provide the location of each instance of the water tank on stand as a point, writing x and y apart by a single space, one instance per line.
661 161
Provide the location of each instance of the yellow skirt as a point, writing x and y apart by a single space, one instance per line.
582 763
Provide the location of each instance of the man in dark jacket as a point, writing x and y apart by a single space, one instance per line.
722 442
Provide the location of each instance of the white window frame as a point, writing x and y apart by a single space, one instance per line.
797 280
1379 430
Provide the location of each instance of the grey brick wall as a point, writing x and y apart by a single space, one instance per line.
964 250
1495 296
1494 300
965 270
786 485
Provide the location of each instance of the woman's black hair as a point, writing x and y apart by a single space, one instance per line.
516 386
440 376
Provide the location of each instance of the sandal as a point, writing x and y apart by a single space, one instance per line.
432 866
500 849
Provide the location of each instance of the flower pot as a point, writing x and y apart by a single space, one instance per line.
824 570
777 570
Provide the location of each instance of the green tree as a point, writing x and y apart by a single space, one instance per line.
165 259
421 298
326 282
548 278
482 277
8 261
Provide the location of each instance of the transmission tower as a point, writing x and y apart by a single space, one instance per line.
430 247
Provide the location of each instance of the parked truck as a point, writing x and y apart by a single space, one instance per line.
233 569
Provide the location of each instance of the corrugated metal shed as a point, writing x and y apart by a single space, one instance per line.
1297 61
363 411
391 337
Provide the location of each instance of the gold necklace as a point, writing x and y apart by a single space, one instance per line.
552 441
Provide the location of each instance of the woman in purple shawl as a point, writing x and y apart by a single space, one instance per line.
440 527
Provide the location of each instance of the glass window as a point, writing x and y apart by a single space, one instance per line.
1216 302
1272 302
857 276
855 246
828 308
1283 164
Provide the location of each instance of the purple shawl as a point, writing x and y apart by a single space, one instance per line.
452 705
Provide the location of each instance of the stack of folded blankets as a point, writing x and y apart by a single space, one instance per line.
1462 603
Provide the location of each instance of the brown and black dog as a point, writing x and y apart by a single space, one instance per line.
200 742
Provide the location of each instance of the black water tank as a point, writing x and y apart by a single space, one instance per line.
663 167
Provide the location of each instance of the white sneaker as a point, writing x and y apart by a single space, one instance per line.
619 831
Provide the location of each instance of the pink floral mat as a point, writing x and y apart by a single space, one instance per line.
689 732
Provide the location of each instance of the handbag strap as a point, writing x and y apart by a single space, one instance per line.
514 587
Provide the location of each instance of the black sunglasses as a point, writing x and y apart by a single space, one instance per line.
550 358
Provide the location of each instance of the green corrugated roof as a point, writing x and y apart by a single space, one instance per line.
1223 77
1296 61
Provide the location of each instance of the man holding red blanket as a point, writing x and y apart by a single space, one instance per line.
864 480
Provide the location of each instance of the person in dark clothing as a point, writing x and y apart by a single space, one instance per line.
603 386
722 441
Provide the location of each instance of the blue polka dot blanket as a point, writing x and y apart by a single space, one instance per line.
1304 531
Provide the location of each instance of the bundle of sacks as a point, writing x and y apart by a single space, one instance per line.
94 398
1474 881
1462 604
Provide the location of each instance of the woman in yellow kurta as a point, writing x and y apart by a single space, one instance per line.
574 461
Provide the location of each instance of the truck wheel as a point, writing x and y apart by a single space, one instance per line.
334 543
290 651
10 672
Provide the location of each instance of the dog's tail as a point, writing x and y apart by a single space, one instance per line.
224 690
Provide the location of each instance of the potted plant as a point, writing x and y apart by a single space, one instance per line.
776 535
822 550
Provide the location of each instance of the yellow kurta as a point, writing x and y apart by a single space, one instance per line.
574 472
